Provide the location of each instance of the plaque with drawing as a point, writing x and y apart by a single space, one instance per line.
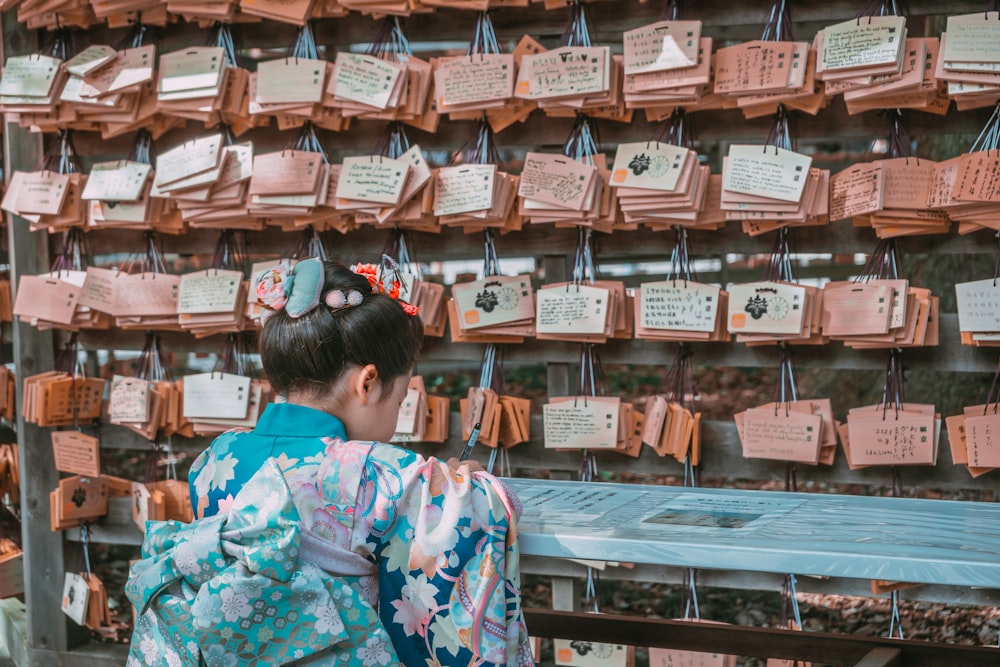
651 165
494 300
766 307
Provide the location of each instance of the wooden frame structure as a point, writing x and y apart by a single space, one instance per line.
38 633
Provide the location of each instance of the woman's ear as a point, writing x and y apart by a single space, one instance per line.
365 383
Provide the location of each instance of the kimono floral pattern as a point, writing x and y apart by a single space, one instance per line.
438 584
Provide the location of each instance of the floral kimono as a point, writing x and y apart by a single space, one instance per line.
360 554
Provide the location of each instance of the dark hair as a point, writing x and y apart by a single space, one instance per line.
309 353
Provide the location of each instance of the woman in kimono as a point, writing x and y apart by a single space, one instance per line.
318 543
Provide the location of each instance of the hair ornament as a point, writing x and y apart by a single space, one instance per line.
336 299
382 284
294 289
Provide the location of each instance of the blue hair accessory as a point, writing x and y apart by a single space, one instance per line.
294 289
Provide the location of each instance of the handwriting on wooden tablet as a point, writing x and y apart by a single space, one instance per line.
581 423
972 38
555 179
580 309
679 305
565 72
366 79
982 438
374 179
211 291
29 76
766 171
664 45
785 435
978 177
856 190
978 305
464 189
129 399
477 78
76 453
901 437
866 41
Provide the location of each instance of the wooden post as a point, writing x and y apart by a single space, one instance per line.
46 626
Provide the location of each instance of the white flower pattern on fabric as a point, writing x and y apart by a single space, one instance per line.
234 606
374 653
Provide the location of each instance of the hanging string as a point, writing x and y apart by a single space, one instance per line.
879 8
309 244
678 130
222 37
393 143
136 36
491 263
780 267
482 148
590 598
672 10
989 136
895 622
233 357
584 269
149 366
147 259
689 596
390 41
491 377
778 26
790 603
60 45
74 255
143 149
680 259
397 248
61 156
484 38
304 46
308 140
582 143
85 547
783 133
577 32
882 264
899 143
230 252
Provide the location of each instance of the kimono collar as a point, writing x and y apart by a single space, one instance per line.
291 420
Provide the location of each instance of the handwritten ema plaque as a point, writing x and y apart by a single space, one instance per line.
781 434
679 306
573 309
903 438
766 171
581 422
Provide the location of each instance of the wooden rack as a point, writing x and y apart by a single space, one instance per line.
37 631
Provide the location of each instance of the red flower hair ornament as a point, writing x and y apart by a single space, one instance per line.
381 285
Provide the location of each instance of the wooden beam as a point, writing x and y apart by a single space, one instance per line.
746 641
